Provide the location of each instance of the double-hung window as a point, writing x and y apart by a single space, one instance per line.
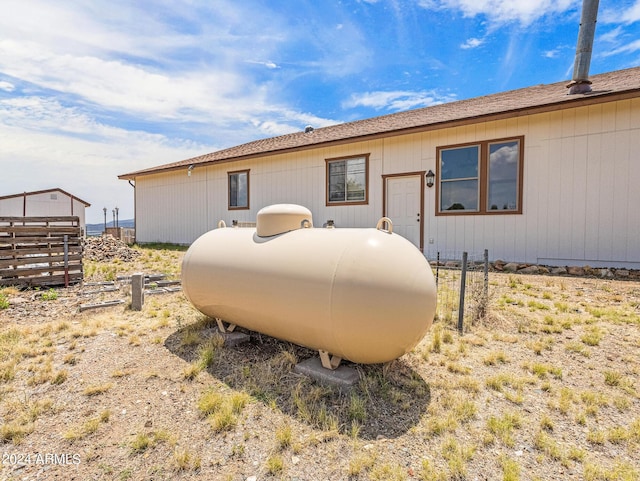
348 180
480 178
239 189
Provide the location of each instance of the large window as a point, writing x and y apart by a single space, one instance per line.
239 189
348 180
480 178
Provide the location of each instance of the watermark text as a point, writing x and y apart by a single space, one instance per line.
24 459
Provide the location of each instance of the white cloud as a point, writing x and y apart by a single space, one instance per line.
130 88
45 115
79 155
619 41
150 70
94 75
630 47
551 53
396 100
503 11
429 4
632 14
472 43
612 36
86 28
619 15
286 122
269 64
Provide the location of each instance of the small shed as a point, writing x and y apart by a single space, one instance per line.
44 203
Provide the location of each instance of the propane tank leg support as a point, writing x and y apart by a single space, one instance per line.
328 361
222 328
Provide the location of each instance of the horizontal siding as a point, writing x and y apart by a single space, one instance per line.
579 194
579 198
172 207
177 208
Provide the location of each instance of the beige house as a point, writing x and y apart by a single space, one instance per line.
533 175
44 203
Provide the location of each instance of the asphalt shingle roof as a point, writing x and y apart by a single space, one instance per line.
511 103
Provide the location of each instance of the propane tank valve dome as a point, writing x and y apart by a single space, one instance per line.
280 218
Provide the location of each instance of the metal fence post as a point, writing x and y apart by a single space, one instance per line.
463 282
437 267
485 286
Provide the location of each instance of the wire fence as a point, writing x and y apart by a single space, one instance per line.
463 288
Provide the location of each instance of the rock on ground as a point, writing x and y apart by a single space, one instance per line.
108 248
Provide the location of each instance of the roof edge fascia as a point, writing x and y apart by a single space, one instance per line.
586 100
46 191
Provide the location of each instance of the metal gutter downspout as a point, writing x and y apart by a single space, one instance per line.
580 83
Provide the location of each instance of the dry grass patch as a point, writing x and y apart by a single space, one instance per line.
502 427
510 469
206 356
274 464
146 440
361 463
20 416
542 370
500 382
495 357
185 460
97 389
541 344
621 470
578 348
88 427
457 456
540 386
222 409
593 336
545 443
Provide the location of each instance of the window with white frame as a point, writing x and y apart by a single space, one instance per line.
480 178
348 180
239 189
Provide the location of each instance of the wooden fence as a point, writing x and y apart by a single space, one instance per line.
40 251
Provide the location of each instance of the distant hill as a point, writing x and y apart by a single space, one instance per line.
97 229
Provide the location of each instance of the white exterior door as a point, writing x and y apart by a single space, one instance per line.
403 198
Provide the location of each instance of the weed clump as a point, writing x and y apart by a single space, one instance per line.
222 410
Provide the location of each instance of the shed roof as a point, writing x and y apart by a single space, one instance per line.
606 87
46 191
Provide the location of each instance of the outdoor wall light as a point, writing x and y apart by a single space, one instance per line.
190 169
430 178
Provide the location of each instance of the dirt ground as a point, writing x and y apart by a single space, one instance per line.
547 387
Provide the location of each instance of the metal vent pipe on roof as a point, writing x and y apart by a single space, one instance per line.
580 82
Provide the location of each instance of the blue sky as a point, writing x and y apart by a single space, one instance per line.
93 89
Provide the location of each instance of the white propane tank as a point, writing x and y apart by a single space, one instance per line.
366 295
